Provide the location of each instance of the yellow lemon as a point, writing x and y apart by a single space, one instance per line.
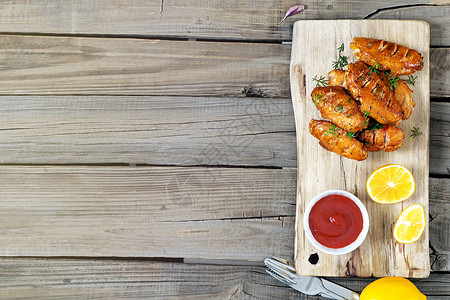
410 224
390 184
391 288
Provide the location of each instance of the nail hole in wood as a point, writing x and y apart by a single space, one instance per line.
313 258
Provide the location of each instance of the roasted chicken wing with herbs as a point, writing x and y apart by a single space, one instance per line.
386 55
337 140
387 138
402 94
374 95
336 105
337 78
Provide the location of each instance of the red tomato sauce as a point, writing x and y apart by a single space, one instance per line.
335 221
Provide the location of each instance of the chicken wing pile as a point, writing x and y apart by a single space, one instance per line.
365 103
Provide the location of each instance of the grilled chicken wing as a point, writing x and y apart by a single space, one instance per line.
388 138
337 140
337 78
387 55
336 105
402 94
376 98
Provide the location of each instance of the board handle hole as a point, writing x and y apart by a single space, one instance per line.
313 258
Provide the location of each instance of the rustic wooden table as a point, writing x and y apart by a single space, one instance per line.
148 148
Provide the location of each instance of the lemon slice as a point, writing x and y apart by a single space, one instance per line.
410 224
390 184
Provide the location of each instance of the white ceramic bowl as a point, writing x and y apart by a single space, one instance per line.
346 249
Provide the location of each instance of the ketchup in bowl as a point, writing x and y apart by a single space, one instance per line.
335 221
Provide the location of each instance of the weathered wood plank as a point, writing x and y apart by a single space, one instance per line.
440 138
207 213
239 19
244 214
140 279
85 66
147 130
166 130
106 66
436 16
439 71
439 224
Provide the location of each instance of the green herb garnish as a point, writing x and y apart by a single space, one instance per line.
376 126
320 82
374 68
331 130
393 80
340 108
342 60
411 80
316 98
351 134
415 132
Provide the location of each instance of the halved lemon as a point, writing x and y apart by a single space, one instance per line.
390 184
392 288
410 224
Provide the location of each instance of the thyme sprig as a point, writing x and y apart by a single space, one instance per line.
331 130
374 68
351 134
393 80
366 116
318 97
411 80
376 126
342 60
321 81
339 108
415 132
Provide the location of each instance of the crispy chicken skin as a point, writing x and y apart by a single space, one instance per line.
388 138
376 98
389 56
402 94
335 139
336 78
336 105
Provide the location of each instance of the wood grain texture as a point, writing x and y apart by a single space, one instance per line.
31 278
379 255
109 66
124 66
239 19
439 68
239 214
440 140
439 224
147 130
195 213
144 130
436 16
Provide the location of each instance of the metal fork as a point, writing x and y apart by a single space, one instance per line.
279 269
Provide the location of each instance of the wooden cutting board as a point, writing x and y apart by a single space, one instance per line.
314 47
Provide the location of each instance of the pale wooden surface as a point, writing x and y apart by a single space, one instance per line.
313 50
111 49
